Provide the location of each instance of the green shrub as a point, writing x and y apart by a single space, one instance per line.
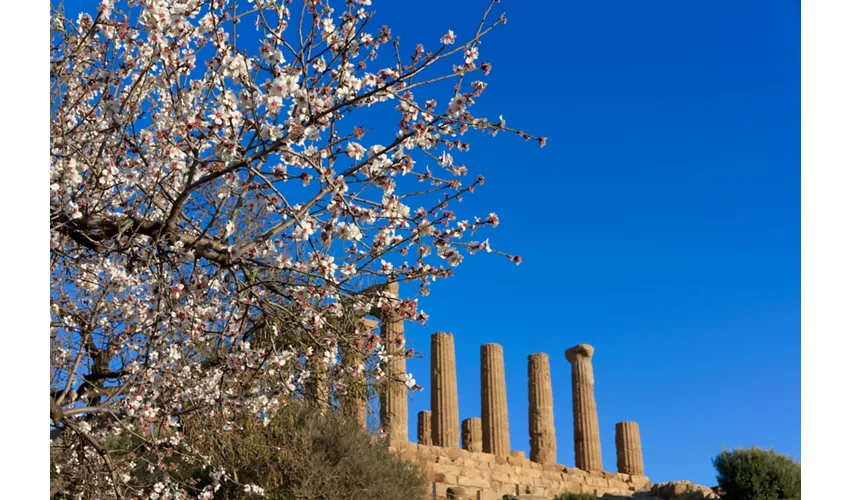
756 474
568 495
302 455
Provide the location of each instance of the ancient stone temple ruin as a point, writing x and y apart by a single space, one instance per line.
485 467
473 458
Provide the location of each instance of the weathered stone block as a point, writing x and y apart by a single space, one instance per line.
553 477
616 483
586 488
532 473
501 476
577 472
506 468
572 486
475 482
424 452
638 479
472 471
599 482
450 479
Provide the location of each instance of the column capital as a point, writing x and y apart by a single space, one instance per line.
579 351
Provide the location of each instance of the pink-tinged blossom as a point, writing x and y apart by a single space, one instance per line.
471 55
303 229
349 231
448 38
284 86
354 150
236 66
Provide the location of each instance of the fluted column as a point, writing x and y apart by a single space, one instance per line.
471 434
353 401
423 427
394 394
494 401
629 454
585 420
541 416
317 382
444 416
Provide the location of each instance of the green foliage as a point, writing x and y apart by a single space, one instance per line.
304 455
568 495
756 474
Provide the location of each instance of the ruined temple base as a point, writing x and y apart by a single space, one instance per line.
497 476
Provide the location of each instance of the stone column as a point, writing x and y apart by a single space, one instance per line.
444 416
471 436
394 394
353 401
423 427
317 382
541 417
629 454
585 420
494 401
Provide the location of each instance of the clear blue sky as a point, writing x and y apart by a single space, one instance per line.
660 224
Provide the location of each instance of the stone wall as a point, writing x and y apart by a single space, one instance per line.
495 476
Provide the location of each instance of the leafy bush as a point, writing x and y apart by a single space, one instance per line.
756 474
568 495
303 455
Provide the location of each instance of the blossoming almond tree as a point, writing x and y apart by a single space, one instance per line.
223 212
